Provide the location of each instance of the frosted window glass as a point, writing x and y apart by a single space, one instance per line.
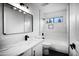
57 19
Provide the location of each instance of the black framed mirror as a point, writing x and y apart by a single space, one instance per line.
15 22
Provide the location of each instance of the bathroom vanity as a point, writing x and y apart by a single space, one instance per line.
34 51
33 47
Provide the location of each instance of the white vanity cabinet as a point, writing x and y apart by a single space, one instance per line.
34 51
31 48
37 50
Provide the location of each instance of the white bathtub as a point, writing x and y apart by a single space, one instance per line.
57 45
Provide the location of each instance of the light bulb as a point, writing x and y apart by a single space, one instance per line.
24 12
14 8
20 10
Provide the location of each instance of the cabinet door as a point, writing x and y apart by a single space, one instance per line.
37 50
27 53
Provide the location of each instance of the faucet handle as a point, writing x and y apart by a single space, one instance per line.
42 34
26 36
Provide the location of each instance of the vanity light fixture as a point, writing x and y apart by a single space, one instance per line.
15 8
21 4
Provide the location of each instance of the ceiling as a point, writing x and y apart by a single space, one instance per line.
49 7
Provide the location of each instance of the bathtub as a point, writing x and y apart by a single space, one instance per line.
57 45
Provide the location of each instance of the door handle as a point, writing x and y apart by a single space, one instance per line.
73 46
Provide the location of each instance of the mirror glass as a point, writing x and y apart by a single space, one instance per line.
15 21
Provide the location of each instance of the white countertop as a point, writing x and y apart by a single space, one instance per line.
20 47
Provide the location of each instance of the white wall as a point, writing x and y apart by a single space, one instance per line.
59 30
6 40
0 19
74 27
